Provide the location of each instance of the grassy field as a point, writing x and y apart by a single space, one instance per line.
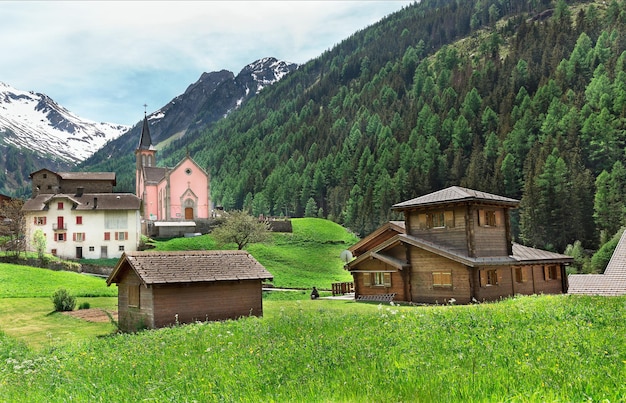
548 348
526 349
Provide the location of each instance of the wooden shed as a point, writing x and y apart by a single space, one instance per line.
157 289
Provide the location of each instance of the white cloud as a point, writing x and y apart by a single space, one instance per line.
104 59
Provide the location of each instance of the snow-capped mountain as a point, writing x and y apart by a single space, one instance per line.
209 99
33 121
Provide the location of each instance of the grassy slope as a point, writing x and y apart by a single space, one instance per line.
305 258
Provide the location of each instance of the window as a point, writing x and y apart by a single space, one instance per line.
59 237
79 220
438 220
92 249
79 236
121 236
377 279
45 176
60 206
54 252
488 277
40 220
520 275
442 279
107 236
133 295
120 248
551 273
490 218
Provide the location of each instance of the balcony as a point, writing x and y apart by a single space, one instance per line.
57 227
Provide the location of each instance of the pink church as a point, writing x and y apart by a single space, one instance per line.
171 195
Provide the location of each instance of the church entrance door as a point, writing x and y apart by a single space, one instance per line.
188 213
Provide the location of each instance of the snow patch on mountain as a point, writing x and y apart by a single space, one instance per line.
36 122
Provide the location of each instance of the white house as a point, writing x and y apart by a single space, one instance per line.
82 225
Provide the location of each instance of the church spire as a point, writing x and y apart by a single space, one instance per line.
145 141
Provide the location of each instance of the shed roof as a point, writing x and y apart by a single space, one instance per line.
455 194
90 176
87 201
612 282
179 267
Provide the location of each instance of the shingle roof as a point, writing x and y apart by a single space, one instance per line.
455 194
612 282
87 201
191 266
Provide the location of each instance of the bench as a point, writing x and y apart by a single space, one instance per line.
377 298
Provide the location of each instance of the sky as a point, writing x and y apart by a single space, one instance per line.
103 60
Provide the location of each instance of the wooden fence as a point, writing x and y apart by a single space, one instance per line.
342 288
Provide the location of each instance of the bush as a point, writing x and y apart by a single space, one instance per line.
63 301
84 305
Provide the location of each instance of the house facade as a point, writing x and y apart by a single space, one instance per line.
454 245
181 193
157 289
80 217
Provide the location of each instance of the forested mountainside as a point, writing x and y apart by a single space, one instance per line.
523 99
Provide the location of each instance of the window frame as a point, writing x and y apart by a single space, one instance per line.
134 295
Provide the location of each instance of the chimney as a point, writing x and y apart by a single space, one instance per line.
95 202
79 191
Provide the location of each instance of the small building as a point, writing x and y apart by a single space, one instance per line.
157 289
611 283
453 245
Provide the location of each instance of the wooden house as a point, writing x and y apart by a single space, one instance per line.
611 283
454 245
157 289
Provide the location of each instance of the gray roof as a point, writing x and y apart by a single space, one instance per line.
612 282
91 176
455 194
154 174
190 267
87 201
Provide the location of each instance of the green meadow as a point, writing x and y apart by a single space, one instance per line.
525 349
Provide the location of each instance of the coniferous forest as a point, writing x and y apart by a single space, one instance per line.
525 99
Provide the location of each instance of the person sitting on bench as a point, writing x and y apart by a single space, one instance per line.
315 294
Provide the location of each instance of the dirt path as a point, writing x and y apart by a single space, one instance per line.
92 315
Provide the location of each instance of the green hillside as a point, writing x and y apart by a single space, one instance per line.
305 258
522 99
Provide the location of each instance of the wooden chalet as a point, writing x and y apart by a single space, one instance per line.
453 245
611 283
157 289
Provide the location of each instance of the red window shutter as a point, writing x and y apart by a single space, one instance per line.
45 219
84 237
107 236
79 220
35 220
56 237
117 236
74 237
126 236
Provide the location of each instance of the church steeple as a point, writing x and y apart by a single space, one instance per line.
145 156
145 141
